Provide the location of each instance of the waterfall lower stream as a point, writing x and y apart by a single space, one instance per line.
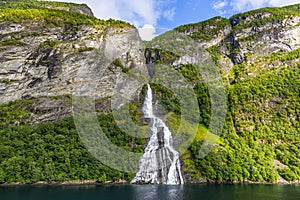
160 162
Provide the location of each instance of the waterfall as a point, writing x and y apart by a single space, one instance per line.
160 162
147 106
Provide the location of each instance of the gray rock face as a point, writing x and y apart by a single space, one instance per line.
218 39
282 35
257 34
42 62
7 28
80 8
83 9
47 62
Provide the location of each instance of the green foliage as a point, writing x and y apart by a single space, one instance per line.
118 137
14 112
189 72
295 7
288 174
260 128
264 65
205 30
86 49
200 90
273 15
283 56
214 52
249 38
12 42
35 11
238 71
15 38
204 102
54 152
167 98
49 43
118 63
235 160
168 57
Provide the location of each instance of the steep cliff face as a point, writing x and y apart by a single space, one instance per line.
255 39
41 58
247 36
207 33
78 8
53 59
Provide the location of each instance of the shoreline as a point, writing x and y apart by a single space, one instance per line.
65 183
123 182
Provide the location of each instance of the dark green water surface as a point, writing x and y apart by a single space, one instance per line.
155 192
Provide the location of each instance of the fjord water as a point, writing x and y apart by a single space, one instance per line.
160 162
152 192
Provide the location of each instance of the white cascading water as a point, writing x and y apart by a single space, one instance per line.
160 162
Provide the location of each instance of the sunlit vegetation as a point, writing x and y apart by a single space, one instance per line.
12 42
118 63
35 11
262 125
49 44
205 30
261 17
53 151
83 49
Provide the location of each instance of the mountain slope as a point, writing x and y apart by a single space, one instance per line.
257 54
47 50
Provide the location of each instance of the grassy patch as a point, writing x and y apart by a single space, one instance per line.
84 49
249 38
283 56
118 63
12 42
49 43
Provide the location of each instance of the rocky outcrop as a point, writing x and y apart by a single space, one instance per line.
207 33
245 37
39 61
43 61
79 8
47 64
281 35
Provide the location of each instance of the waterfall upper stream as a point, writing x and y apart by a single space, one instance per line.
160 162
